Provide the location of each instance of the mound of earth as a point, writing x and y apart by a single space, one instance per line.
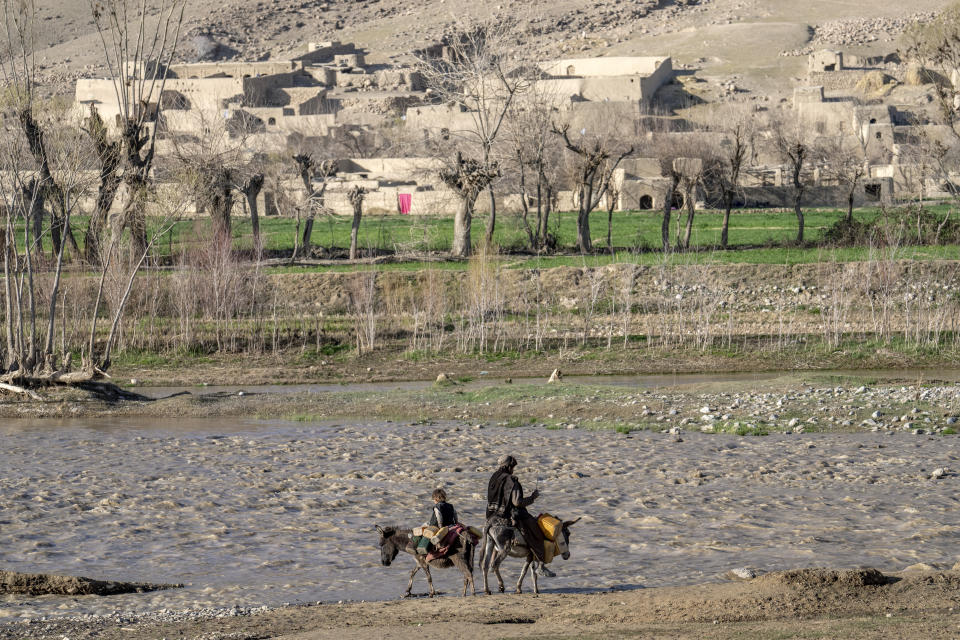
827 578
40 584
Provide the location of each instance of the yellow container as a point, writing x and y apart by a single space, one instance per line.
550 551
550 526
475 531
438 537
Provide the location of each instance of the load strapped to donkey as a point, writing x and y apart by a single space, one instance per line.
554 542
439 542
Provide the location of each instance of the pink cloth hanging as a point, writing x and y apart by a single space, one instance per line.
406 201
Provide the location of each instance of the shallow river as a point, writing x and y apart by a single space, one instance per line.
267 512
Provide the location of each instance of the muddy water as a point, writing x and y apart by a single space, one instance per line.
266 512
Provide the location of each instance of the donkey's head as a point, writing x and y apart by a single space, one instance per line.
389 548
564 543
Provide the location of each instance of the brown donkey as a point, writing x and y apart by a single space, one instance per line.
393 540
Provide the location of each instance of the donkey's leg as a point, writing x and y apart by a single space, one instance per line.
410 584
461 564
470 566
496 569
523 574
533 572
486 557
426 569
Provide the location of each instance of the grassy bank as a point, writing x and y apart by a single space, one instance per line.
632 231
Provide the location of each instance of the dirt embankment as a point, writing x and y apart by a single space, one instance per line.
38 584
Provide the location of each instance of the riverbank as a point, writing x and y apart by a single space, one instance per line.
853 604
916 401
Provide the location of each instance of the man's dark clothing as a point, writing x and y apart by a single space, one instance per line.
500 493
444 515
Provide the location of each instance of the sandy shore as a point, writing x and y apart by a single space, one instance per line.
811 604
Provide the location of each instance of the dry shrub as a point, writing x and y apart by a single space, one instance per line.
365 307
481 325
876 82
211 285
917 75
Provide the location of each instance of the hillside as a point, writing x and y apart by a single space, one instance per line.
724 40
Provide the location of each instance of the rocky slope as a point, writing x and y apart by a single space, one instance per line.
727 36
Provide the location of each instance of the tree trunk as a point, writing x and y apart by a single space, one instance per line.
850 207
584 243
523 203
461 228
611 202
492 220
221 206
688 229
135 218
667 209
545 218
251 190
307 232
7 282
355 227
725 228
799 212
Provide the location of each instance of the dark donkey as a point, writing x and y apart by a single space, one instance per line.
501 540
393 540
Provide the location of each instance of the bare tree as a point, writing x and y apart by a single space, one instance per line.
311 171
251 184
724 166
109 158
935 48
669 149
356 196
690 171
529 127
42 161
843 158
467 178
139 41
595 163
793 142
479 72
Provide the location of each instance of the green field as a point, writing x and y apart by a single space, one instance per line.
756 237
631 230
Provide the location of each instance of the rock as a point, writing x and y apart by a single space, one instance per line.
956 567
704 409
443 380
134 381
556 376
921 566
793 422
876 415
741 573
938 473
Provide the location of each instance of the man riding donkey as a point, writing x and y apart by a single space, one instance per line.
507 506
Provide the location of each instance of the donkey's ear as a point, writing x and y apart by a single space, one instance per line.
570 523
380 530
